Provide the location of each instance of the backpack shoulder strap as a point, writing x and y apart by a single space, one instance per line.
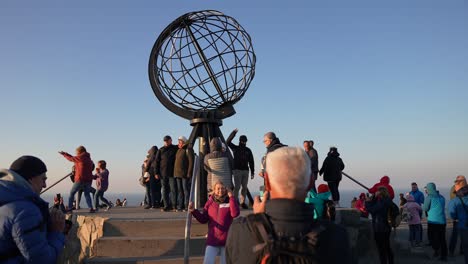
463 204
262 228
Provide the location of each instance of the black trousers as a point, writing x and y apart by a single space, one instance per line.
333 186
437 238
154 192
382 239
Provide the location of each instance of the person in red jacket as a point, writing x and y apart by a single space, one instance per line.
83 175
385 182
219 211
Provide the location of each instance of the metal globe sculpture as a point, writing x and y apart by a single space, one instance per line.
202 62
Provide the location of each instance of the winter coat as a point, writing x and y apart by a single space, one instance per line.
384 182
165 160
332 167
243 157
318 200
218 164
219 217
418 196
414 209
23 224
183 166
151 163
102 180
361 206
289 218
378 208
456 209
84 166
434 205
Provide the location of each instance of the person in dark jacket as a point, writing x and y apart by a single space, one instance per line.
288 179
183 168
243 160
29 231
84 167
312 153
218 165
331 169
165 160
378 206
272 143
153 185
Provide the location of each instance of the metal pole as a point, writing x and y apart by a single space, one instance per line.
68 175
351 178
188 223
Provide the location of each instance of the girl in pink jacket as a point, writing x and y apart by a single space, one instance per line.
219 211
413 211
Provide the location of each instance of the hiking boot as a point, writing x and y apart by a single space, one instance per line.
166 209
244 206
147 207
92 211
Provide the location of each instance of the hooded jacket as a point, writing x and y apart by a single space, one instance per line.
83 166
434 205
243 157
456 209
102 180
23 224
218 164
318 200
414 210
384 182
219 217
332 167
361 205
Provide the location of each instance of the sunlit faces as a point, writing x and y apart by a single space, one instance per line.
219 190
38 183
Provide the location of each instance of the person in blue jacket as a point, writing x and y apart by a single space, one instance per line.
417 194
458 210
29 233
434 205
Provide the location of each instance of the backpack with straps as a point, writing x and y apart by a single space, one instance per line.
274 248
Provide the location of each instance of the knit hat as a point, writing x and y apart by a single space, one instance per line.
243 138
28 167
184 139
322 188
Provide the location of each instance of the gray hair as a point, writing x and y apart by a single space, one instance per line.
289 171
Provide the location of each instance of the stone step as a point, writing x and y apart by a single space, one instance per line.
126 247
151 228
146 260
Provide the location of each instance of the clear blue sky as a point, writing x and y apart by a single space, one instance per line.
386 82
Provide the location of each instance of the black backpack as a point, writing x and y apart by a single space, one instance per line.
273 248
394 217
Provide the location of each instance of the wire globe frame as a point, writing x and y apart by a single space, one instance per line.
203 61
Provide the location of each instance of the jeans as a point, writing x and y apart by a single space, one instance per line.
382 239
438 242
153 189
464 242
211 252
80 193
169 190
183 191
100 195
333 186
415 234
241 178
75 188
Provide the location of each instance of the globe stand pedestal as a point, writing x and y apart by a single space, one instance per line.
205 127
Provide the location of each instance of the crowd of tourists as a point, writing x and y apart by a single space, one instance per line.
293 221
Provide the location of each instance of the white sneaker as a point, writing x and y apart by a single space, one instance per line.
108 207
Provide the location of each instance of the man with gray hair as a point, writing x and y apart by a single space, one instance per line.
283 216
